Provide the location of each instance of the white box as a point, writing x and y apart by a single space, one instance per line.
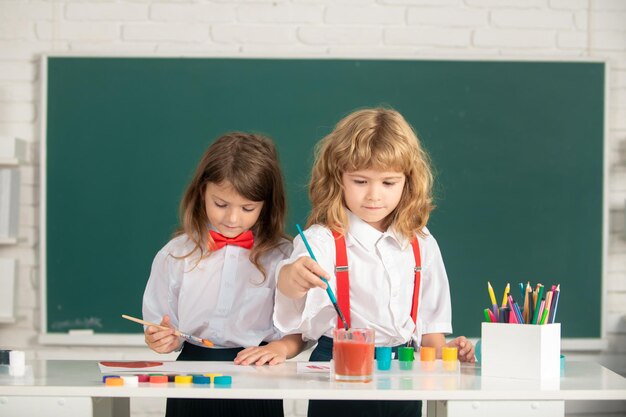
12 149
523 351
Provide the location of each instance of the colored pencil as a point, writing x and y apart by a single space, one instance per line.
518 315
555 303
506 294
494 303
487 315
540 311
537 315
527 303
546 309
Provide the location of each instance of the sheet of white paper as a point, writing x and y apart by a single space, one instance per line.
313 367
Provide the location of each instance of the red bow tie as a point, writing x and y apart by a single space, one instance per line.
245 240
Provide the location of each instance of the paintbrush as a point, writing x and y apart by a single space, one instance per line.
328 290
177 332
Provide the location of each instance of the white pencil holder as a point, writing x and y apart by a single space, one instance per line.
523 351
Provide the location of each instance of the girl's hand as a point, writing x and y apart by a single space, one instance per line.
273 353
162 340
465 347
297 278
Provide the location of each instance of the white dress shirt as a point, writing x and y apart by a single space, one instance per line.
223 297
381 286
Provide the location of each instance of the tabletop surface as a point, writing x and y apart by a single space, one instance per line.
579 381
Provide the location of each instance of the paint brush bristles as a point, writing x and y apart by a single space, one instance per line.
328 290
177 332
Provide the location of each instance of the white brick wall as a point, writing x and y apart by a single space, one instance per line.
296 28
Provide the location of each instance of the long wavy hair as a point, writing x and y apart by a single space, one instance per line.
379 139
250 163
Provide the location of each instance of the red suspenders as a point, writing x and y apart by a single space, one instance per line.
343 278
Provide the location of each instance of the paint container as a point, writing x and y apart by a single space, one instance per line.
183 379
143 377
477 350
449 353
114 382
201 379
428 354
353 354
450 357
17 363
158 379
383 358
105 377
223 381
406 356
131 380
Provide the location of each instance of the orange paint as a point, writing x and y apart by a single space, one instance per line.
427 353
207 343
114 382
354 359
158 379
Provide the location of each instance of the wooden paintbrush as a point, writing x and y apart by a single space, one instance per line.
177 332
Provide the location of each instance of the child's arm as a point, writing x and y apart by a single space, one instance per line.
273 353
162 341
297 278
437 340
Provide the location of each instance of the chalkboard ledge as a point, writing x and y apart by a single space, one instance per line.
110 339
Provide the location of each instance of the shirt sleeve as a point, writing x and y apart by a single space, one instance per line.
435 315
160 297
311 315
280 254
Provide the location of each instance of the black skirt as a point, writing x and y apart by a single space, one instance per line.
374 408
185 407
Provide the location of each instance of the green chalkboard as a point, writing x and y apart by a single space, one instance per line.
517 146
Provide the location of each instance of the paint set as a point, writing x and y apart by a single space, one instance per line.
217 380
354 353
428 359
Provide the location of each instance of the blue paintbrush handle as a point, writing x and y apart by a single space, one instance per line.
328 290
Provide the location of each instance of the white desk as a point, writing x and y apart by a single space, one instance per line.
581 381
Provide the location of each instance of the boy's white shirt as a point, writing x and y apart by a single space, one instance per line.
381 286
223 298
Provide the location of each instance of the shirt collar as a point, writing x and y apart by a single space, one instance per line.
368 236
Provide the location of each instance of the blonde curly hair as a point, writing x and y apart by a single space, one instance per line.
379 139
